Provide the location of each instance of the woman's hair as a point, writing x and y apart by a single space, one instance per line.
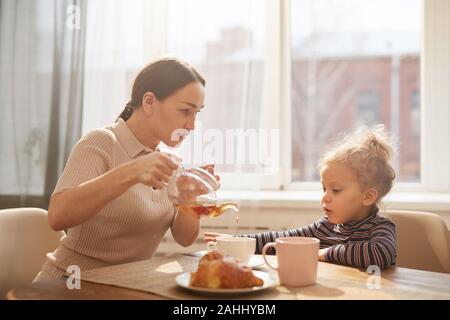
368 152
162 77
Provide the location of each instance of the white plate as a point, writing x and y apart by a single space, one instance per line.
183 281
255 261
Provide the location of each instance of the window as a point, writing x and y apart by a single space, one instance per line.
352 64
310 69
294 71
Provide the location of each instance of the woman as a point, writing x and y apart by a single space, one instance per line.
111 196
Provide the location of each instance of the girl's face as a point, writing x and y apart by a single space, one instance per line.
175 115
343 200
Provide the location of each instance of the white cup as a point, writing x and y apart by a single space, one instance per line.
237 247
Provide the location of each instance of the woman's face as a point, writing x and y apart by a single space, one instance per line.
175 115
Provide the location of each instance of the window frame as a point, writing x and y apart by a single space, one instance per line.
435 91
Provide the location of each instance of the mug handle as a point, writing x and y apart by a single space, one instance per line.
211 245
267 246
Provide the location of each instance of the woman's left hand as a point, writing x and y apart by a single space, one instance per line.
190 188
210 169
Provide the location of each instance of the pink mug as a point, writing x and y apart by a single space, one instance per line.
297 260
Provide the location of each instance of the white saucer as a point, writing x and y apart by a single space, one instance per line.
183 281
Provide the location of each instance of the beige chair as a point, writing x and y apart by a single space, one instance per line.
422 240
25 239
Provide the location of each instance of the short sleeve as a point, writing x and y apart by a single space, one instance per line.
90 158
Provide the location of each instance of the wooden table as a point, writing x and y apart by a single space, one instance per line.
333 282
57 290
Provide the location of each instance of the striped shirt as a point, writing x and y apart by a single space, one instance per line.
360 244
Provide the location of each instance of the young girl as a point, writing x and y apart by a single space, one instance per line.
355 176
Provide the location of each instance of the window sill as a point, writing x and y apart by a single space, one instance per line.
419 201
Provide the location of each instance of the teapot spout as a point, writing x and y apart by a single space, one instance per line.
226 206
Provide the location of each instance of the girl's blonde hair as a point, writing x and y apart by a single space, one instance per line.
368 152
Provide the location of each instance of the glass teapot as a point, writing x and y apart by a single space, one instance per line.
193 191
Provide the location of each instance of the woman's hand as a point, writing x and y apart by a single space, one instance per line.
189 187
154 169
210 169
211 236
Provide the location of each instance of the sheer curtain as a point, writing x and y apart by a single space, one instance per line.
231 43
114 51
41 72
227 41
354 63
122 37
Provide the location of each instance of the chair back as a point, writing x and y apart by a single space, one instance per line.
25 239
422 240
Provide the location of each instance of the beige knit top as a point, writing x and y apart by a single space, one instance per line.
127 229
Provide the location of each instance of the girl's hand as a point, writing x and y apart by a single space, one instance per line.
322 254
211 236
154 169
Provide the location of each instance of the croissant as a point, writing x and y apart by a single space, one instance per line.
216 269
